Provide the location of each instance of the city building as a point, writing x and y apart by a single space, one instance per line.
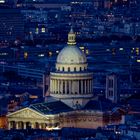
71 102
112 88
11 24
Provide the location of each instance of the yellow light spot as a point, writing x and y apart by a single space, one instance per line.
82 48
25 55
87 51
37 30
50 53
137 51
43 30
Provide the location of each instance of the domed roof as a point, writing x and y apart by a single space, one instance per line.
71 55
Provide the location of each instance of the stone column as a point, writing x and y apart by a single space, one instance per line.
69 87
85 86
77 84
60 87
17 125
81 86
73 87
24 125
43 126
32 125
9 125
88 86
57 86
40 126
52 86
65 87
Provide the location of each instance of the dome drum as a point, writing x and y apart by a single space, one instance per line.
71 87
71 67
71 76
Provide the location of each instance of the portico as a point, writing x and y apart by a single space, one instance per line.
28 118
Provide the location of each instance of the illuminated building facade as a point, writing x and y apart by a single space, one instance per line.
71 103
71 82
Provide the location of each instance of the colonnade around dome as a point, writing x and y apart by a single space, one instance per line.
71 67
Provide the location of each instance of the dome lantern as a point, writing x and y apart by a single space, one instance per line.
71 38
71 54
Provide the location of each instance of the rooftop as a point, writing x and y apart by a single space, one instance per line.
51 107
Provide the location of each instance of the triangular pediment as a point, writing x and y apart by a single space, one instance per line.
26 113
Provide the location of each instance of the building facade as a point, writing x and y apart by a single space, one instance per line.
71 82
71 102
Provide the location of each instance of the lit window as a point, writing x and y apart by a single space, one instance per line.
25 55
50 53
2 1
43 30
87 51
37 30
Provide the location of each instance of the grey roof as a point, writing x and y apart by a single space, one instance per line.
134 104
51 107
101 105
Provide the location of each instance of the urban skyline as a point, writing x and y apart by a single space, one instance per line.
69 69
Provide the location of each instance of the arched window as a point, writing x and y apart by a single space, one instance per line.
74 68
68 69
80 69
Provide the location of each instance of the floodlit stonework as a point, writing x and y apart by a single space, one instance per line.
71 90
71 82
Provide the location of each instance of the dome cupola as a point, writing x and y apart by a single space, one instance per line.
71 37
71 58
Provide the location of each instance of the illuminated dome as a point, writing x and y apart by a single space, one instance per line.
71 55
71 82
71 58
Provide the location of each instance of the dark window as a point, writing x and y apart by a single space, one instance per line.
84 87
67 87
63 87
110 93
